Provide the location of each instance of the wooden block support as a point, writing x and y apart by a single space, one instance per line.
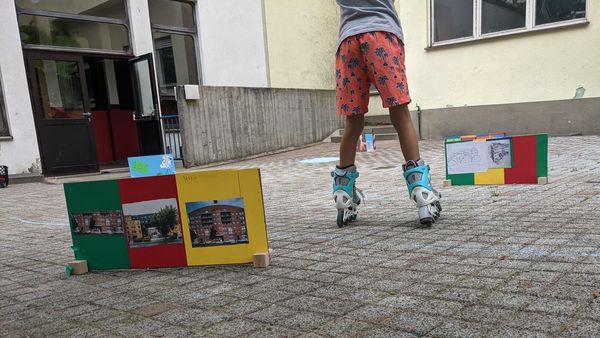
261 260
447 183
79 267
542 180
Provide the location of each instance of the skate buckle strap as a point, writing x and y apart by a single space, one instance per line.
351 177
424 180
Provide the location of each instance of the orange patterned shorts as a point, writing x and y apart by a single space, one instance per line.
370 58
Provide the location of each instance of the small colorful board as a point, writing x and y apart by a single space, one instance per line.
186 219
153 165
496 159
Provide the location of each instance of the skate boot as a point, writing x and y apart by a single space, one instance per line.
346 196
418 180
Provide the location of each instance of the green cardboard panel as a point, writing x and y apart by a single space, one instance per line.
96 224
462 179
542 155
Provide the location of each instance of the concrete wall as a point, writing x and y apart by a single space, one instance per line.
232 43
566 117
228 123
20 154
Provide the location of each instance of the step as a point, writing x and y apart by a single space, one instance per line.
384 129
25 178
378 137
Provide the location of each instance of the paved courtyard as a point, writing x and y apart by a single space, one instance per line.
506 261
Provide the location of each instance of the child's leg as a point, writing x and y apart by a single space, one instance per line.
400 116
352 132
416 171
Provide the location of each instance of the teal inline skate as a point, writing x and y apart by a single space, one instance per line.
346 196
420 191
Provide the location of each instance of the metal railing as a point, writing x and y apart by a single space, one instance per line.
172 136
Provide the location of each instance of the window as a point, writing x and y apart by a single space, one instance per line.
175 60
101 8
549 11
172 13
39 30
174 33
3 122
98 25
463 20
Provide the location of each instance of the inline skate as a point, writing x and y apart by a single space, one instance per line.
346 196
420 191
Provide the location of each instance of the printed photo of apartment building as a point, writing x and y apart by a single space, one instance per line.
217 223
97 223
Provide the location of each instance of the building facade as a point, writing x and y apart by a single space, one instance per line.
84 84
218 224
98 223
518 66
134 229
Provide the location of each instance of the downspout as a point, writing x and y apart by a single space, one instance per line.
419 121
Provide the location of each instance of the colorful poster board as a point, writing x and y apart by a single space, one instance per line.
152 222
154 165
96 223
496 159
223 216
197 218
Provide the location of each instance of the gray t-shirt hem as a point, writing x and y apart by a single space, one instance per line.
373 28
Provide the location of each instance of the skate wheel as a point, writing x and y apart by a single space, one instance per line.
340 218
427 222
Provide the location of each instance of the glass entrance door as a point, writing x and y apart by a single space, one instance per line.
62 114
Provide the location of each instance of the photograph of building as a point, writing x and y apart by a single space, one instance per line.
152 222
108 223
218 222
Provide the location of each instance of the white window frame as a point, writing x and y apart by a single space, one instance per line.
530 25
4 115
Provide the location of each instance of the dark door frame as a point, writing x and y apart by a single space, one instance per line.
35 54
41 122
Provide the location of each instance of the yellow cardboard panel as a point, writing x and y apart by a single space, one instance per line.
206 196
492 176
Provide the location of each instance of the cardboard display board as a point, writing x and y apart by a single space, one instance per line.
198 218
152 222
223 216
96 223
154 165
496 159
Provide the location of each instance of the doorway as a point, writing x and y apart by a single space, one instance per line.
85 112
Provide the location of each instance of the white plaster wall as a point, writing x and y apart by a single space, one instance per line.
543 66
140 30
232 43
20 154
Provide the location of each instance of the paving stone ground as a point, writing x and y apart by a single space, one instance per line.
506 261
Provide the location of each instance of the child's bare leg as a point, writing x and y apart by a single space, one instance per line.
400 116
353 130
416 172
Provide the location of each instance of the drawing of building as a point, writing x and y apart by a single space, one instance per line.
218 224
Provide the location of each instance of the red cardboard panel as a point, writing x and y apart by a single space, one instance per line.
524 170
152 222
